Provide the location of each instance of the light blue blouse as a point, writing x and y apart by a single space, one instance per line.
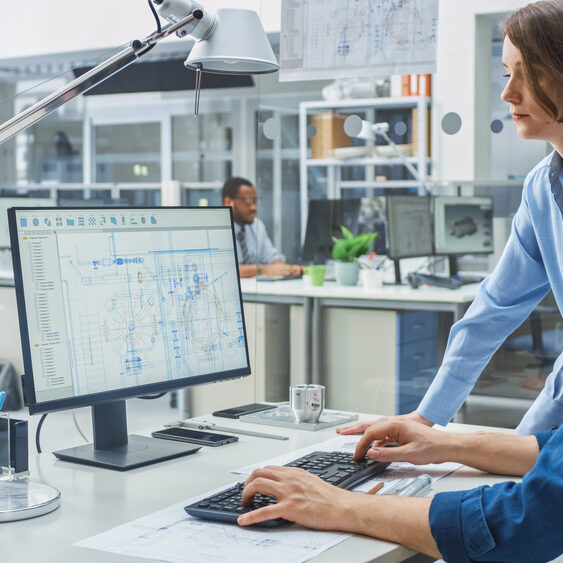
531 265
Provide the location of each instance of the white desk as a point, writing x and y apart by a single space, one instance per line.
95 500
340 336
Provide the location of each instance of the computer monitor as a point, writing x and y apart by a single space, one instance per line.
7 202
462 225
116 303
324 218
410 228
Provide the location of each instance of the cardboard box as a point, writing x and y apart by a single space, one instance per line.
415 132
330 134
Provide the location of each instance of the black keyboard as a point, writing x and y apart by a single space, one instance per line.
337 468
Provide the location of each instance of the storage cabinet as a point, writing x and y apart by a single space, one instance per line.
417 357
337 170
377 361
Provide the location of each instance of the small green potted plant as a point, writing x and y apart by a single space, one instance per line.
346 251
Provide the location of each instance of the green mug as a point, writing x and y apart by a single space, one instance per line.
317 274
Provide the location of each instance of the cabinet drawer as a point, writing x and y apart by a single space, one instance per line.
416 356
412 388
416 326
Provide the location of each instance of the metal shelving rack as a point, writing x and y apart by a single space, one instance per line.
335 184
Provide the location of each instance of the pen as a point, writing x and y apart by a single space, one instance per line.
204 425
377 487
417 486
2 397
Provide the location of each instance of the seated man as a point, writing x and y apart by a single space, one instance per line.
256 253
506 522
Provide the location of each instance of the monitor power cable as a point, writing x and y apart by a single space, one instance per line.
38 432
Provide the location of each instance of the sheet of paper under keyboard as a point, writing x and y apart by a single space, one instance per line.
171 535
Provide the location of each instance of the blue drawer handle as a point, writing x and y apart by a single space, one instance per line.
419 325
419 356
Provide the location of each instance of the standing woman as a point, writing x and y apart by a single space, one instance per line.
532 262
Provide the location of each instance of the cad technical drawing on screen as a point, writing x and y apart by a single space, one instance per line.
120 298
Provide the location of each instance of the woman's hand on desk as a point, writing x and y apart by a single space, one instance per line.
361 427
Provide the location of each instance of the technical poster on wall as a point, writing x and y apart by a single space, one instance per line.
326 39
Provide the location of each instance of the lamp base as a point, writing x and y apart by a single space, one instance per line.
22 499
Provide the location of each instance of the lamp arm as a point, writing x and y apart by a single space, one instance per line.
404 159
93 77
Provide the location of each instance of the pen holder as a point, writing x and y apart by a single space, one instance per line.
372 279
13 446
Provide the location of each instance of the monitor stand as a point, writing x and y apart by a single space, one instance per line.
452 263
114 449
397 266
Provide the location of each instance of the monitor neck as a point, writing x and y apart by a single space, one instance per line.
452 262
109 424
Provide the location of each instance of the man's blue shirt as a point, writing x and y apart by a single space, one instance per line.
531 265
509 521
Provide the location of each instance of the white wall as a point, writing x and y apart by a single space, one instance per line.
462 85
58 26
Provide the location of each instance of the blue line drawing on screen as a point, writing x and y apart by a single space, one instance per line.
134 313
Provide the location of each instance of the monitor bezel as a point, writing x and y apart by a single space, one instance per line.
93 399
389 226
435 219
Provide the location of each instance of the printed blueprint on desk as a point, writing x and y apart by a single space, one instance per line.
140 304
326 39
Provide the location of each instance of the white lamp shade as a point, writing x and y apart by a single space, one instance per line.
238 45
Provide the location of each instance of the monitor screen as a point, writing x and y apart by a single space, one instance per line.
410 226
7 202
463 225
120 302
323 222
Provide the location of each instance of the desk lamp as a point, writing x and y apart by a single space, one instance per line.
355 126
231 42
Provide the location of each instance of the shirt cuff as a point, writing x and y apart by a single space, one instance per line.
544 412
458 525
543 437
444 397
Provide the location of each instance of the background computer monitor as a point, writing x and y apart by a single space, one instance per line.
462 225
323 222
117 303
7 202
409 222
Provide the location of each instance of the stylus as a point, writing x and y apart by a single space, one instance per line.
204 425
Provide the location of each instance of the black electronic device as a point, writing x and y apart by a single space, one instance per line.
462 225
236 412
194 436
416 279
410 228
13 436
116 303
337 468
324 218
